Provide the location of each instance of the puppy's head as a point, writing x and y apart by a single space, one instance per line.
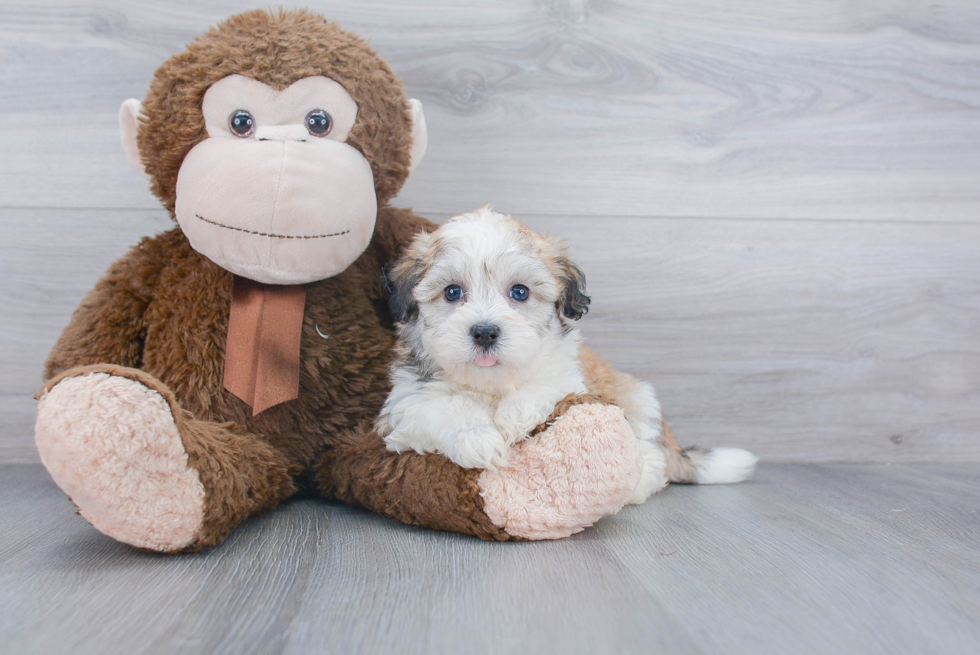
483 297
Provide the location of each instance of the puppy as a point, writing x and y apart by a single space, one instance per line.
488 345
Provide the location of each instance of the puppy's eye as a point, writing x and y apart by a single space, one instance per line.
453 293
241 123
519 292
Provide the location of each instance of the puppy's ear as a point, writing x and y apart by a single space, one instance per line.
572 303
401 278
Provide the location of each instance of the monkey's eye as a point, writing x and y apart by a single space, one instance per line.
519 292
453 293
241 123
319 123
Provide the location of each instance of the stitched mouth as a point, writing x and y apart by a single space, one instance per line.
271 234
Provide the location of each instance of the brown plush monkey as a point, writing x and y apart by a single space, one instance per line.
241 357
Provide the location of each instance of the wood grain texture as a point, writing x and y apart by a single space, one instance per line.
805 343
799 342
804 559
848 110
802 341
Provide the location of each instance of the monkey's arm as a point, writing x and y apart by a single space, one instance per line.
107 327
427 490
582 464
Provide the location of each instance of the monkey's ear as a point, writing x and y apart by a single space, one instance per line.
420 135
402 277
128 127
573 303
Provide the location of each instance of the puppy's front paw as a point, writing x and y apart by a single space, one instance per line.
516 419
477 447
398 441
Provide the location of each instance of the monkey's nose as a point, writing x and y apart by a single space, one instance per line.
485 334
281 133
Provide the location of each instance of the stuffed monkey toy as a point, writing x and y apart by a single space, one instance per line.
241 357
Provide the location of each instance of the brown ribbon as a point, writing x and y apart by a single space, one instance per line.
262 352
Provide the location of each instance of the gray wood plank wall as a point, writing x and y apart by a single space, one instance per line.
777 203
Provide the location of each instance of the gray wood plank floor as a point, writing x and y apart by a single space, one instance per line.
803 559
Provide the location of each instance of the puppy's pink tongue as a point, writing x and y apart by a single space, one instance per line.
486 360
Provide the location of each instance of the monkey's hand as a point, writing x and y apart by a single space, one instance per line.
582 464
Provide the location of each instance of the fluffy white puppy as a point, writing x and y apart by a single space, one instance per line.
486 312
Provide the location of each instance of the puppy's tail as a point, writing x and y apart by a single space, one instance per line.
698 466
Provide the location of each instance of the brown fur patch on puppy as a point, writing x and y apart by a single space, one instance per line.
602 379
406 273
572 304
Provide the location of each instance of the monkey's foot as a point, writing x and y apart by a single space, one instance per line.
111 444
583 467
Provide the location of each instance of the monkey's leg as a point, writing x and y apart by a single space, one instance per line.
582 465
146 472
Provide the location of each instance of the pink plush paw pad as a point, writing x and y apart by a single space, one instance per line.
111 444
582 468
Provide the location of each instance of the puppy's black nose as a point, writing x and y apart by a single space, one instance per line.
485 334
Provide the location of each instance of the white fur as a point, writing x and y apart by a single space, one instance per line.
473 426
643 414
726 465
654 476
